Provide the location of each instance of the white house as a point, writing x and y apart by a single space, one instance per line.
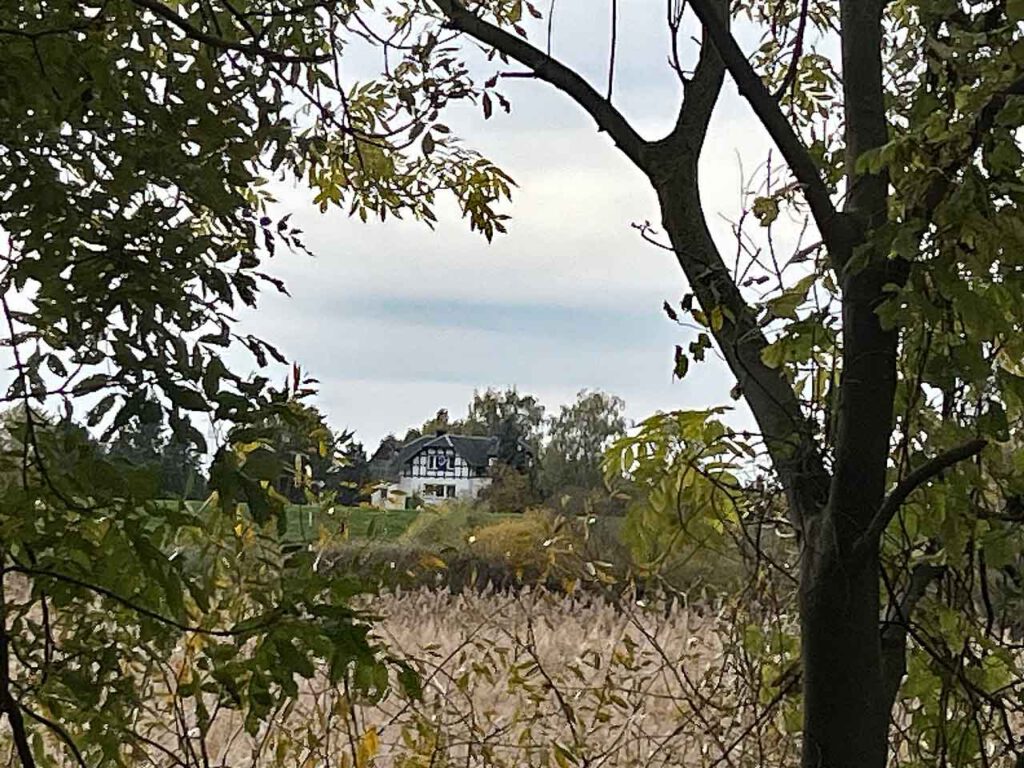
437 467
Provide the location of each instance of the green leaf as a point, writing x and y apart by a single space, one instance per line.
186 398
786 304
263 464
774 354
682 363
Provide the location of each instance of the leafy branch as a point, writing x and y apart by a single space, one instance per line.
193 32
918 477
132 605
552 71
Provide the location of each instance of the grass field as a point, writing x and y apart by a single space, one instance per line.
362 522
304 522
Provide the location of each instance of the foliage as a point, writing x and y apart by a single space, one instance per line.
445 527
149 593
350 478
175 460
874 331
577 440
515 419
136 141
510 490
534 541
380 460
687 499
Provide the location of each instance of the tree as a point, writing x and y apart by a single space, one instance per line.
136 140
181 474
516 420
577 440
300 438
351 477
380 461
174 460
882 367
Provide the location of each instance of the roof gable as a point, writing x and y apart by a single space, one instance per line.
475 451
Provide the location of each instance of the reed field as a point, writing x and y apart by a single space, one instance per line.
537 679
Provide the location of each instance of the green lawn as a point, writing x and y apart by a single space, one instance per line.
362 522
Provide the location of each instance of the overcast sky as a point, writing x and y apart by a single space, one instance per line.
397 321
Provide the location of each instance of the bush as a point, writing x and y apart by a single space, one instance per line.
445 527
578 501
407 566
462 546
510 490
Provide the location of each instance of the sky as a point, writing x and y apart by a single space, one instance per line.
397 321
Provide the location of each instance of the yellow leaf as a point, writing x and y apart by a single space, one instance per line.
717 318
432 561
368 747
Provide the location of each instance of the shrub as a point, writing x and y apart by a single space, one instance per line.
406 566
579 501
445 527
540 545
510 490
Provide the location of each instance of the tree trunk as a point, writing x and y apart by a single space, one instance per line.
846 716
845 704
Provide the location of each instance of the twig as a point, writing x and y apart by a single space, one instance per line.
57 728
753 89
550 70
614 43
193 32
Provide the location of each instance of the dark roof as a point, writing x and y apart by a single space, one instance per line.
475 451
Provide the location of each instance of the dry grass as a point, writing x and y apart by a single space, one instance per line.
530 679
542 680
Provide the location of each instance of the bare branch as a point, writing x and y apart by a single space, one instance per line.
194 33
752 88
551 71
613 44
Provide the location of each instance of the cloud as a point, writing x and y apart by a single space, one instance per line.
398 320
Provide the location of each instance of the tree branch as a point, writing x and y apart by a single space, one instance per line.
8 704
788 433
896 624
983 123
753 89
61 732
139 609
915 480
551 71
193 32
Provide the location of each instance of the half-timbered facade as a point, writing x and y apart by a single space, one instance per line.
437 468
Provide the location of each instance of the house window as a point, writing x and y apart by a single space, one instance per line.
451 491
432 489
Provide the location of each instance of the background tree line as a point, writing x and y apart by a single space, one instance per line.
542 459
